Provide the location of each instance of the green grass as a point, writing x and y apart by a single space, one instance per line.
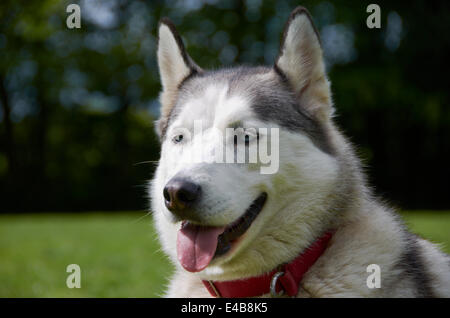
431 225
118 253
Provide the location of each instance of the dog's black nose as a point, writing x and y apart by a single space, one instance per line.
180 194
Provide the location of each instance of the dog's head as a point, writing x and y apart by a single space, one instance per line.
226 218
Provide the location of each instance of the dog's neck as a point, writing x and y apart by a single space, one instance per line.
283 280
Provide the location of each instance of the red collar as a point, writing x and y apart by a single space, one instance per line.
286 278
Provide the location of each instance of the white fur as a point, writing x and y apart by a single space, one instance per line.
173 69
301 60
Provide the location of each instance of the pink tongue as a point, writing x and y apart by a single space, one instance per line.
196 246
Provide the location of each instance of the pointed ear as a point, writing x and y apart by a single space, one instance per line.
300 60
175 65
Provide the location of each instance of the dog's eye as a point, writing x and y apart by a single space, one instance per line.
248 136
251 134
177 138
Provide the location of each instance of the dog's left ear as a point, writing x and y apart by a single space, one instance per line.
175 65
301 61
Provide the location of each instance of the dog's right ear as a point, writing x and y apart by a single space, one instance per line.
175 65
301 62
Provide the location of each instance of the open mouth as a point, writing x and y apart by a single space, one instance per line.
197 245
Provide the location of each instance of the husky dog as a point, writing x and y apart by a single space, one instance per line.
222 222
